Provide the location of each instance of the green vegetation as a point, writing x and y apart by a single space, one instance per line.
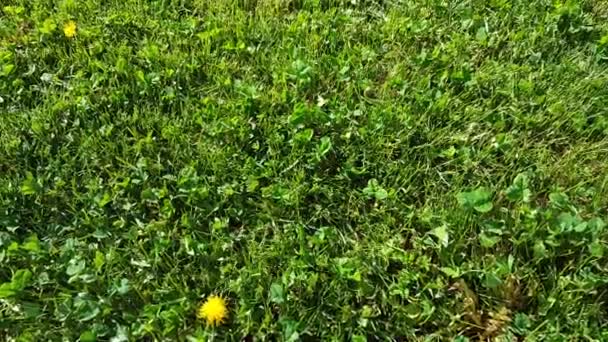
336 170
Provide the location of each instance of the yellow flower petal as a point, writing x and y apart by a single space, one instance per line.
213 310
69 29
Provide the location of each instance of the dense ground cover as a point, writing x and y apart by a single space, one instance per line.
348 170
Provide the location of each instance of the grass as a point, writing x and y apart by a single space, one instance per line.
336 170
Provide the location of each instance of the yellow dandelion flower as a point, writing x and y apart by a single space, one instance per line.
213 311
69 29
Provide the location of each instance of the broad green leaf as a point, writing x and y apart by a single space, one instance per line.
479 199
30 309
603 41
359 338
488 241
519 191
276 293
581 227
558 199
324 147
596 224
7 69
596 248
18 282
105 199
31 244
290 330
252 184
7 290
75 267
484 207
88 314
121 64
21 279
304 136
381 194
30 186
492 281
450 272
540 251
374 190
521 322
124 287
48 26
100 260
301 114
88 336
567 222
442 235
481 34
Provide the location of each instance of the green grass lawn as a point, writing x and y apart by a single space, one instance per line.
343 170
